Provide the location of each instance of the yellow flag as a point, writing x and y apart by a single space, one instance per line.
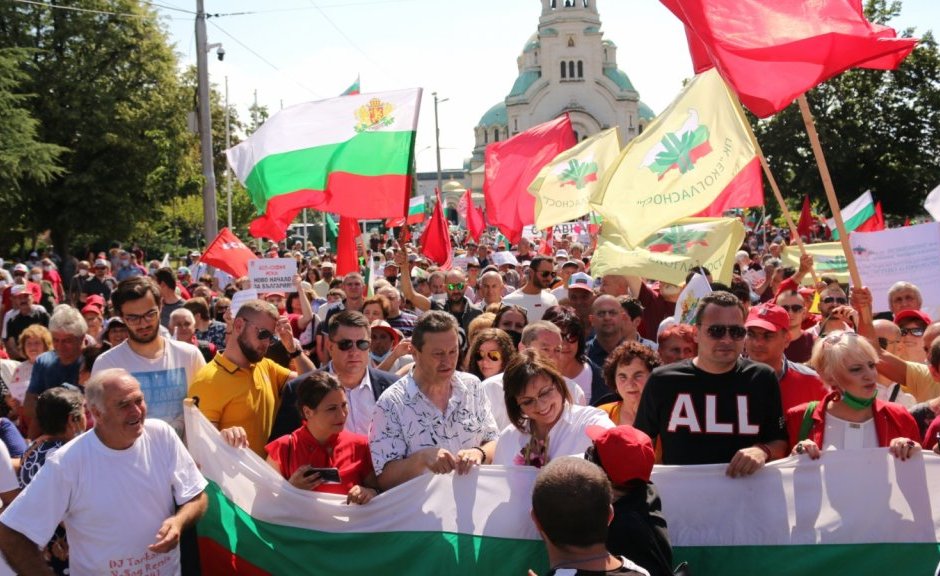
680 164
828 260
564 186
671 253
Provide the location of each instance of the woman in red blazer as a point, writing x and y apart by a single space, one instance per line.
851 417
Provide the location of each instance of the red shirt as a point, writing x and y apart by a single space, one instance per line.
891 421
35 288
800 384
351 457
930 438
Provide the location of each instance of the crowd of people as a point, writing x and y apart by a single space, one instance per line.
346 385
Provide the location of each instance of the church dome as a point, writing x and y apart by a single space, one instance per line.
495 116
532 43
646 113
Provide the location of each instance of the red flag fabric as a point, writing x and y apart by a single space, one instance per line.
772 52
228 253
511 165
744 191
435 241
907 221
347 255
805 226
475 224
547 248
875 223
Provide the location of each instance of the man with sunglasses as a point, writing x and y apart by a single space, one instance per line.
455 303
239 391
913 325
716 407
349 342
535 296
801 343
163 366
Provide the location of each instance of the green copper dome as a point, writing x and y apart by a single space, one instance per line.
495 116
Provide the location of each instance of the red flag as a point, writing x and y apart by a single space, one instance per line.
875 223
435 241
745 190
907 221
347 255
228 253
548 242
475 224
511 165
805 226
772 52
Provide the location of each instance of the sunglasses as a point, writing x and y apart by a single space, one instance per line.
719 331
457 286
570 337
832 299
492 355
546 273
912 331
795 308
883 343
346 345
262 333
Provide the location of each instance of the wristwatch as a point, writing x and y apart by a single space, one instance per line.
295 353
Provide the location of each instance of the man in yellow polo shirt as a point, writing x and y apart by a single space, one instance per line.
240 390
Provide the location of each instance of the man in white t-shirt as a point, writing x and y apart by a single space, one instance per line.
534 295
163 366
125 492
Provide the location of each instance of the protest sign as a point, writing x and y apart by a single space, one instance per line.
909 254
272 274
697 288
240 298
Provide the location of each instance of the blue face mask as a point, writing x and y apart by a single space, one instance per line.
377 358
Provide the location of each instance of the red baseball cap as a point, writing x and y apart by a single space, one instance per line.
625 452
912 315
769 317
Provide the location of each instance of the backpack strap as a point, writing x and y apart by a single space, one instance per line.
807 425
894 392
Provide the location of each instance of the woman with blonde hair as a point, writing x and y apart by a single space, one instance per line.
851 417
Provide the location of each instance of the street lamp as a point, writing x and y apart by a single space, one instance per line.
437 139
209 209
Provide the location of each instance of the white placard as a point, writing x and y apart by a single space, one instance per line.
240 298
272 274
908 253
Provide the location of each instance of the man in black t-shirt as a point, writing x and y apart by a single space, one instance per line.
716 407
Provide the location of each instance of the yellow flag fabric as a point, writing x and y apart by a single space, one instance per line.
564 186
681 162
828 260
672 252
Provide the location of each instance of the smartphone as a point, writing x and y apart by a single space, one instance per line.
328 475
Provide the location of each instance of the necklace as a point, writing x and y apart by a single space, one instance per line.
569 563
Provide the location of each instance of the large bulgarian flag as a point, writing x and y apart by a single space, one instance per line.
851 512
349 155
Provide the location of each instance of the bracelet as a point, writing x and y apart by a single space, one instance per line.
295 353
482 453
766 451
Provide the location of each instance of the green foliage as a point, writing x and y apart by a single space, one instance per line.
878 130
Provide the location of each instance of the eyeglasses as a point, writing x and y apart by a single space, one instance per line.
718 331
457 286
543 395
145 317
492 355
831 299
883 343
912 331
261 333
795 308
346 345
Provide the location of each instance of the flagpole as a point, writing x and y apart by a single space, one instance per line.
830 189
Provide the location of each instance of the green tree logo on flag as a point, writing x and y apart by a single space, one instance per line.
677 240
679 149
579 174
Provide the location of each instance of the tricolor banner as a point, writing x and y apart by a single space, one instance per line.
851 512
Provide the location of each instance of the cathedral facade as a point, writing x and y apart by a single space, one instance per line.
566 66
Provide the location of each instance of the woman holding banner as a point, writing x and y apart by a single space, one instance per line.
852 416
546 424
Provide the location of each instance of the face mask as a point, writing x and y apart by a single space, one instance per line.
35 277
46 267
83 273
377 358
125 262
153 271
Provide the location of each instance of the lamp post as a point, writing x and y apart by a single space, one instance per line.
437 140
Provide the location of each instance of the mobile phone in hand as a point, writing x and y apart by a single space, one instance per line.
328 475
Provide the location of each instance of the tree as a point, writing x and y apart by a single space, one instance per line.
23 158
877 129
109 92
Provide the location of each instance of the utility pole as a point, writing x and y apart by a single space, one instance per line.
437 142
228 144
209 210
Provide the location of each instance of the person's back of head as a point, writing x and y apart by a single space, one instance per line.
571 503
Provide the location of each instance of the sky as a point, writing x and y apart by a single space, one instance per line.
292 51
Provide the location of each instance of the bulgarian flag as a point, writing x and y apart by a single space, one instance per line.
349 155
850 512
860 211
353 89
415 214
